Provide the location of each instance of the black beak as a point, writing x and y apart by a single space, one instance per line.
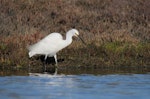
82 40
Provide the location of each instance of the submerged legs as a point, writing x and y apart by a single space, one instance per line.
56 65
45 63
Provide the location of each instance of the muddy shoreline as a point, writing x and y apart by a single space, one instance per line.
116 32
75 70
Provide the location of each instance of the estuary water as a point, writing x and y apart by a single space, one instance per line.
82 86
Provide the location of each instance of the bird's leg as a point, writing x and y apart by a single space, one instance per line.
56 65
29 68
45 63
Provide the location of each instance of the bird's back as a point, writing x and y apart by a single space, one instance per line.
47 46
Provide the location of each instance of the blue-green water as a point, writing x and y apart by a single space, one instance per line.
115 86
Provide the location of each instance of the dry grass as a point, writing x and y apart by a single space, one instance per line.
116 31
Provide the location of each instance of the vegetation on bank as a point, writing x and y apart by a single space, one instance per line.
14 54
116 32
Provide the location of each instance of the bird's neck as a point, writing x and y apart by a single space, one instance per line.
68 38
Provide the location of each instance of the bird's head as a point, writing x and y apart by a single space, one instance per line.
76 34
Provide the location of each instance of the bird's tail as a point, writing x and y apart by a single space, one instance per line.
31 54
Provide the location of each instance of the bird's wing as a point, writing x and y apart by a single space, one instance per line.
47 45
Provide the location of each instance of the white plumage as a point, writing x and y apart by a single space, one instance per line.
51 44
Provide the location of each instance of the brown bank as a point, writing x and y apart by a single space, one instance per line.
116 32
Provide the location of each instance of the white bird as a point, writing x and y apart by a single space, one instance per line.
52 43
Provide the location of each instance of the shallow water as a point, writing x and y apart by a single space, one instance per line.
44 86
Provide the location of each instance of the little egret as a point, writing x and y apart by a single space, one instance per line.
52 43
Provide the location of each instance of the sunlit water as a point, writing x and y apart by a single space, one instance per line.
115 86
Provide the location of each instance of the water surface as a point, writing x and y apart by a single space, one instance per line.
44 86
